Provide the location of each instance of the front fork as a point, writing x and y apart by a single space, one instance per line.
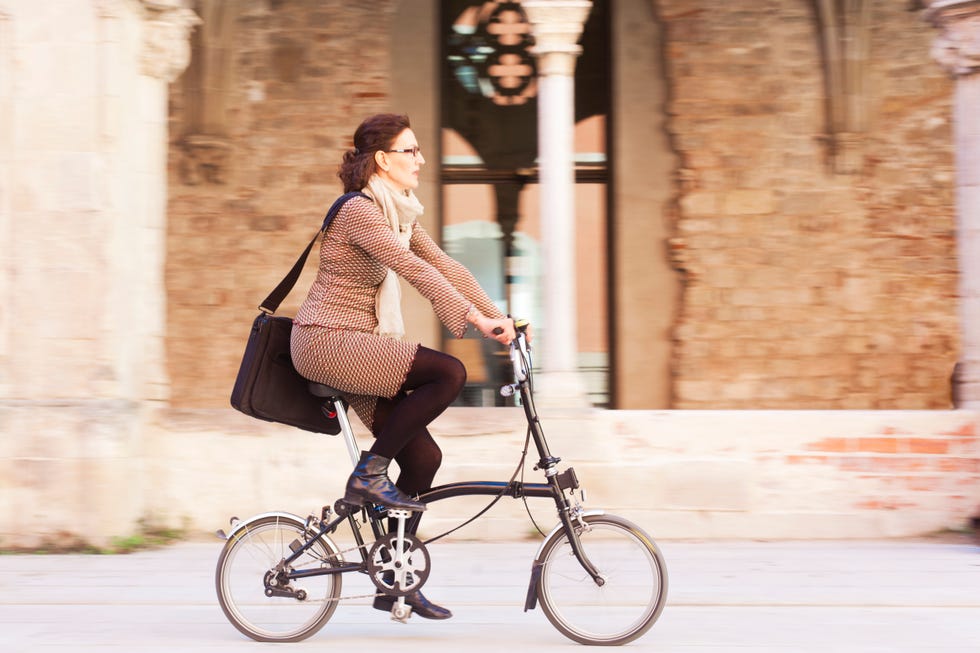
571 516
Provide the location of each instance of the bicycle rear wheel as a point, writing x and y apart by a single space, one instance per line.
632 596
250 558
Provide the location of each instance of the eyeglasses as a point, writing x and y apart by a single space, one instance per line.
414 151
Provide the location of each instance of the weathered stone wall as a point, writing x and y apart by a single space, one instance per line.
804 288
679 474
82 222
303 75
91 446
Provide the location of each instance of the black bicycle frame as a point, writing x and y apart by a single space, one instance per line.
555 487
558 483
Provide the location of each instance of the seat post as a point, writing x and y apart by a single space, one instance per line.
346 431
335 397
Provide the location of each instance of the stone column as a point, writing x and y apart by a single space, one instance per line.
83 141
557 26
165 53
957 49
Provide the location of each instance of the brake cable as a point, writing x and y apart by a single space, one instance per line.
510 483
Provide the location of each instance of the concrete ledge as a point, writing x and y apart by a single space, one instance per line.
98 471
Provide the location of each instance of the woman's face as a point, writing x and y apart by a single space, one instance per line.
400 165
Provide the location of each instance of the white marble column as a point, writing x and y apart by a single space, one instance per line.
557 26
957 49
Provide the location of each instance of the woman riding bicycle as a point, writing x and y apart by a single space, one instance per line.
347 334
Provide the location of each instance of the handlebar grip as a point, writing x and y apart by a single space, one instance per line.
497 331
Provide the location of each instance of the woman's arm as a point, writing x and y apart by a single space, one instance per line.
370 231
454 271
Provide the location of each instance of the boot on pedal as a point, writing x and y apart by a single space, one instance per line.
421 606
370 482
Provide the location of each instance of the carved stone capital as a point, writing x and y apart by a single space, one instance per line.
957 48
557 26
166 43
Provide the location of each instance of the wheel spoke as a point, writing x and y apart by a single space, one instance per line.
629 601
255 552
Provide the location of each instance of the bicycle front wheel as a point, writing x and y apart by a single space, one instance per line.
625 605
249 568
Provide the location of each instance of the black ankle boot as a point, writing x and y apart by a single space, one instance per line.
421 606
370 482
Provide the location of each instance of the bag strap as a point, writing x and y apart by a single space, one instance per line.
271 303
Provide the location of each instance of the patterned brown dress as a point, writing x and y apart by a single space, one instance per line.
333 339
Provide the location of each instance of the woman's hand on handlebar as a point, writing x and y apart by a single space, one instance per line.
501 330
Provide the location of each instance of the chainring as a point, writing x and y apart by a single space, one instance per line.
396 578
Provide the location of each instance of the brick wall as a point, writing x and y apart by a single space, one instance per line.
304 75
804 288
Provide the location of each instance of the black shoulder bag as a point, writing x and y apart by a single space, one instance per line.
268 387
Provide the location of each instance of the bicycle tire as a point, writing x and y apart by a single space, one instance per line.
255 550
629 602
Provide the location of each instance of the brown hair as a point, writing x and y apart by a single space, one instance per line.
377 132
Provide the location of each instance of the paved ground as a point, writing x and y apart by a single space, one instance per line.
888 596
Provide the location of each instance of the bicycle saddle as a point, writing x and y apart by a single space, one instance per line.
323 390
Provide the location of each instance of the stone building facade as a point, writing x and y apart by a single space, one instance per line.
820 265
796 250
782 235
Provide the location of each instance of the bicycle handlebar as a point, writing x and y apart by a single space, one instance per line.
520 352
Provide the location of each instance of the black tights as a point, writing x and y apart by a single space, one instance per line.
433 382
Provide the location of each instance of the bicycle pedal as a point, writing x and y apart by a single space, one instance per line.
401 613
342 509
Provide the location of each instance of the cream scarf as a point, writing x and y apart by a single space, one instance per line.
400 209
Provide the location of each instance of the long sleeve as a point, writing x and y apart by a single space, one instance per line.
455 272
373 235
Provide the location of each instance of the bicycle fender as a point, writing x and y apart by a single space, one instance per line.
531 601
239 526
